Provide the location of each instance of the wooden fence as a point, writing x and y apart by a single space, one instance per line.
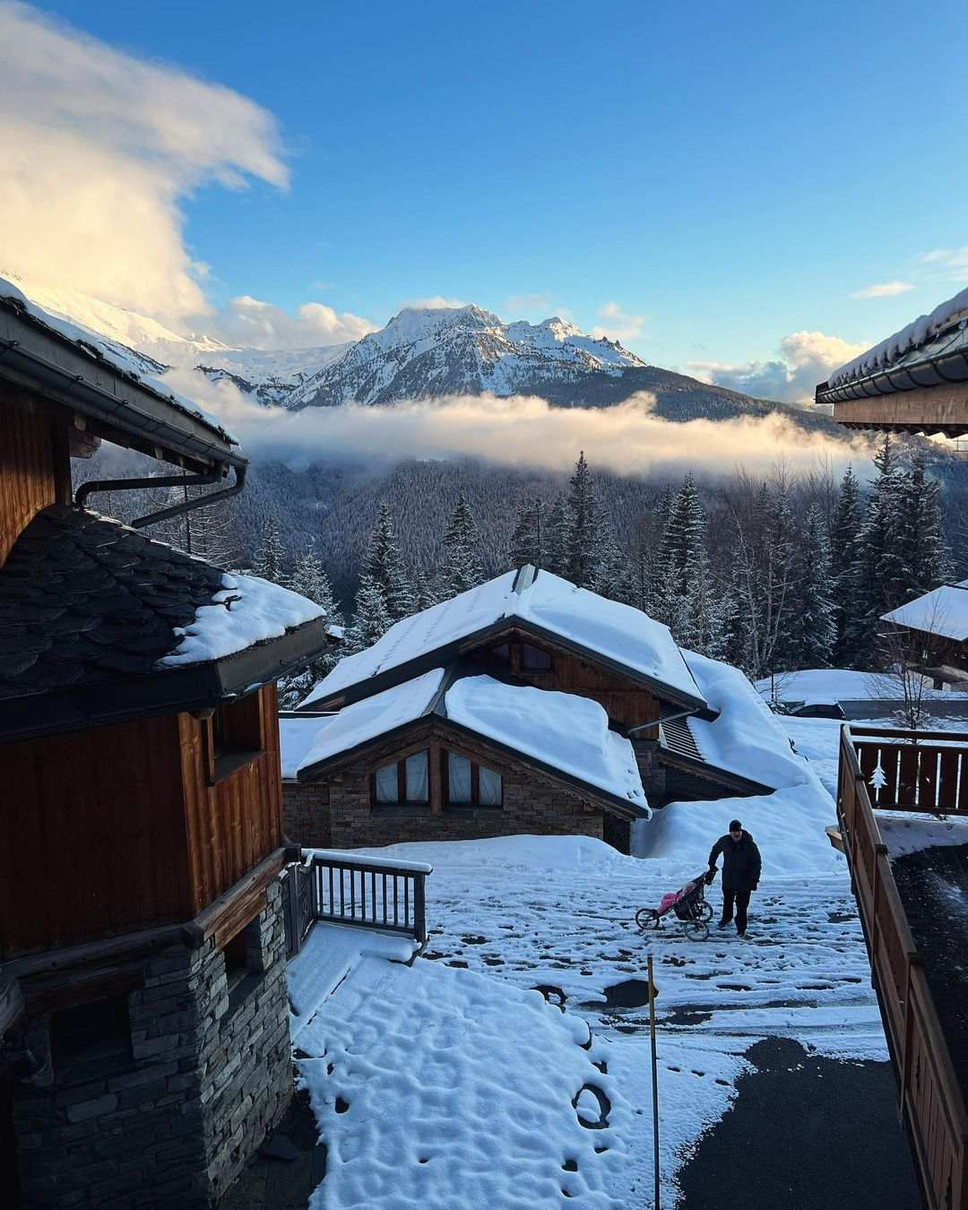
918 771
930 1093
367 892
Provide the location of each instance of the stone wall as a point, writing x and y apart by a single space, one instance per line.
305 812
340 809
168 1121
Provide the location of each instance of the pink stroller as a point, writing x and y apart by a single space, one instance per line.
689 906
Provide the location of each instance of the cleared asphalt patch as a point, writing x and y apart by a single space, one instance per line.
805 1133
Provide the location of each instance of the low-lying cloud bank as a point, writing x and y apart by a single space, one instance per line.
522 431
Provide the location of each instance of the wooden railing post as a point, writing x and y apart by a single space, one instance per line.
905 1039
420 908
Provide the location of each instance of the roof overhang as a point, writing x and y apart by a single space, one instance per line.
115 404
927 410
434 720
192 687
506 625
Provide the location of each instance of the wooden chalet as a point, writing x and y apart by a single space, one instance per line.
144 1044
523 705
890 779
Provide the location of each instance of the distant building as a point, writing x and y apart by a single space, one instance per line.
144 1038
523 705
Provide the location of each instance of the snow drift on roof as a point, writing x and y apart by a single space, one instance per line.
569 733
616 632
916 333
746 738
943 611
359 723
126 361
244 612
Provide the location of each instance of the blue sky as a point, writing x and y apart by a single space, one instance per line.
702 181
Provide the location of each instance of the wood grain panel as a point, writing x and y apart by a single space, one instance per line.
93 838
28 469
237 821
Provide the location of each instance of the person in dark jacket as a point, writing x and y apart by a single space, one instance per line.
741 873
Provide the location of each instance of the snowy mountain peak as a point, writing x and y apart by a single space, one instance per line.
434 351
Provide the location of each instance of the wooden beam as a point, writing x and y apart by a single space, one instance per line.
941 409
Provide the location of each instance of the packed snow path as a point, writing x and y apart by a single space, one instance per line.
452 1083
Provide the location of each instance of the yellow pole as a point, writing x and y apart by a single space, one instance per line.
655 1090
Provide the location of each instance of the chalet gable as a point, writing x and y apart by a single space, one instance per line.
560 735
529 604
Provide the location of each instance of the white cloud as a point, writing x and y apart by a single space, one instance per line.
805 359
436 302
884 289
628 439
99 151
618 324
949 264
255 324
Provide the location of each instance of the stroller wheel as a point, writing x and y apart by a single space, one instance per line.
706 912
647 918
695 930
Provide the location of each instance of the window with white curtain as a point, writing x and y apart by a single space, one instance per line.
416 778
491 788
472 785
459 778
404 781
387 784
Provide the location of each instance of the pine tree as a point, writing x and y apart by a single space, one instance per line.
426 591
682 593
310 580
384 566
462 568
268 562
371 620
879 577
845 535
813 630
584 526
556 538
780 602
922 542
733 643
527 541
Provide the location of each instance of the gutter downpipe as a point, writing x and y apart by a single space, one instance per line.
176 510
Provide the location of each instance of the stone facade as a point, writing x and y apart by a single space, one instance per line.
338 812
169 1118
305 808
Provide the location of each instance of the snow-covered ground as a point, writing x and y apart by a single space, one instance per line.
453 1083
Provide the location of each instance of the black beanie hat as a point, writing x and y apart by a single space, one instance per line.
735 825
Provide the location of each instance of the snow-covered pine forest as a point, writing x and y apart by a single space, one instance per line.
769 574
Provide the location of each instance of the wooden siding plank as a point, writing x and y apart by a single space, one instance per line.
28 469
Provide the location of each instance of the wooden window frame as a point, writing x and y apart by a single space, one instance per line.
475 803
403 803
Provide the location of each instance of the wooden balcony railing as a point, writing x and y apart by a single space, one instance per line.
915 774
368 892
919 770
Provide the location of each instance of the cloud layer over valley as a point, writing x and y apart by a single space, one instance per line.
521 431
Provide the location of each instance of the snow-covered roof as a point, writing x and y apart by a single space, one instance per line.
374 716
915 335
245 611
746 738
823 686
943 611
121 625
560 731
116 356
567 732
618 634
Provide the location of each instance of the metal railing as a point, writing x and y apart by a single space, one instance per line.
930 1093
366 892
